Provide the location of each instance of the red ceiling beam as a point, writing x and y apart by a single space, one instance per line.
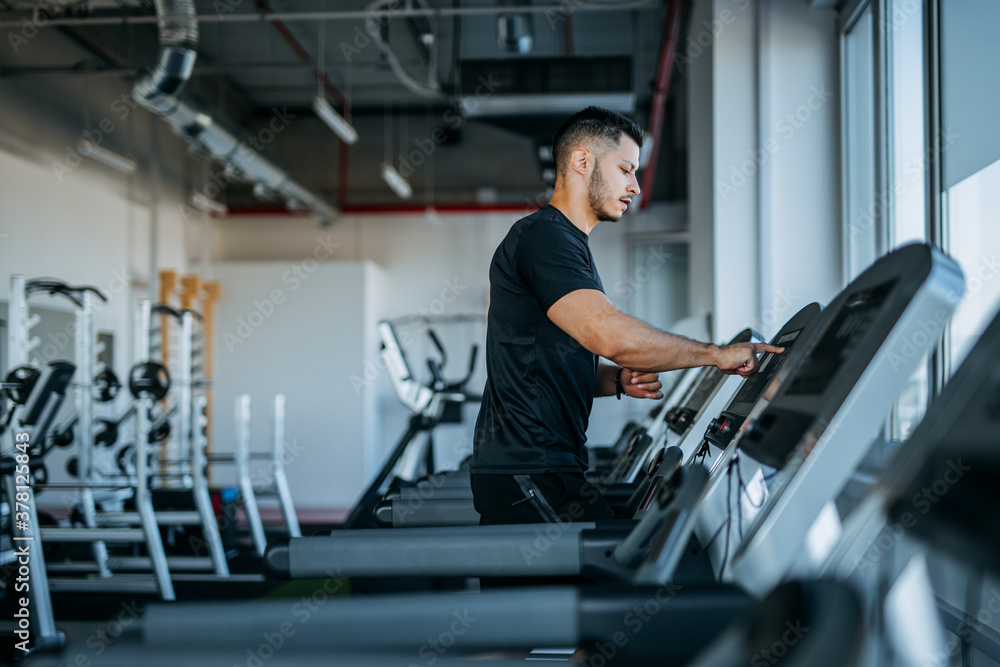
664 70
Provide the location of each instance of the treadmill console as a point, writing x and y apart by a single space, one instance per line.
780 429
722 429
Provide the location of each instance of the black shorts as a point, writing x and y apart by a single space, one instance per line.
553 497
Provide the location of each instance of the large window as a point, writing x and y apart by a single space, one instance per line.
885 208
922 156
970 161
862 219
905 129
972 221
906 167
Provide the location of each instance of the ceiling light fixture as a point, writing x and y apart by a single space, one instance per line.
334 120
204 203
87 148
398 184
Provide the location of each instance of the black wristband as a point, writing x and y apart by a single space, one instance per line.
619 389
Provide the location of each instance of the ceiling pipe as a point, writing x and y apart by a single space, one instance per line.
658 106
205 131
345 15
431 89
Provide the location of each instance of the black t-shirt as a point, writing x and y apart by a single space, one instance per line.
540 381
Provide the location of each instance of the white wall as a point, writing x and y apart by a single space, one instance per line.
800 253
764 160
299 329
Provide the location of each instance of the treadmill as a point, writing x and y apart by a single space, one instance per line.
564 549
455 483
939 494
699 401
825 403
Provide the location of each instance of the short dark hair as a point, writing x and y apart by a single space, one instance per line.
601 125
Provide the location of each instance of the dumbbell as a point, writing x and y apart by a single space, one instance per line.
107 385
19 382
105 433
149 378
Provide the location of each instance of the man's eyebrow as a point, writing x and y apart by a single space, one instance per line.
630 163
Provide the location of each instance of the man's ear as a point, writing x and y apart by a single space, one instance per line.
581 160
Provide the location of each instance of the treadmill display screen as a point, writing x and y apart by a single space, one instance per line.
851 324
707 382
754 386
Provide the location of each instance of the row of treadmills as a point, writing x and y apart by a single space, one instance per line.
736 553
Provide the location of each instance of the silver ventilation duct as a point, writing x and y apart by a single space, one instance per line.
206 131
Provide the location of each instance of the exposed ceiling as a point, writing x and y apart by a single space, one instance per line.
465 114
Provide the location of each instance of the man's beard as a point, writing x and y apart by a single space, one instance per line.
599 194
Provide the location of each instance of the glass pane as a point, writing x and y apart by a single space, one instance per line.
907 145
861 213
907 165
972 210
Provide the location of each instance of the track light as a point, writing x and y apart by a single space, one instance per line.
398 184
87 148
333 119
203 203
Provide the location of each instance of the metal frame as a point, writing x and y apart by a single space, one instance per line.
241 457
94 530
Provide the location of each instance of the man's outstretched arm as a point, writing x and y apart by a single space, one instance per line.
592 320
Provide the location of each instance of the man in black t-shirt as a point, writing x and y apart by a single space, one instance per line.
549 322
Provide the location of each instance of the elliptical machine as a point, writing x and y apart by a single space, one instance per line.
437 402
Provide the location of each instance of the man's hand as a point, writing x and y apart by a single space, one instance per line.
741 358
640 384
